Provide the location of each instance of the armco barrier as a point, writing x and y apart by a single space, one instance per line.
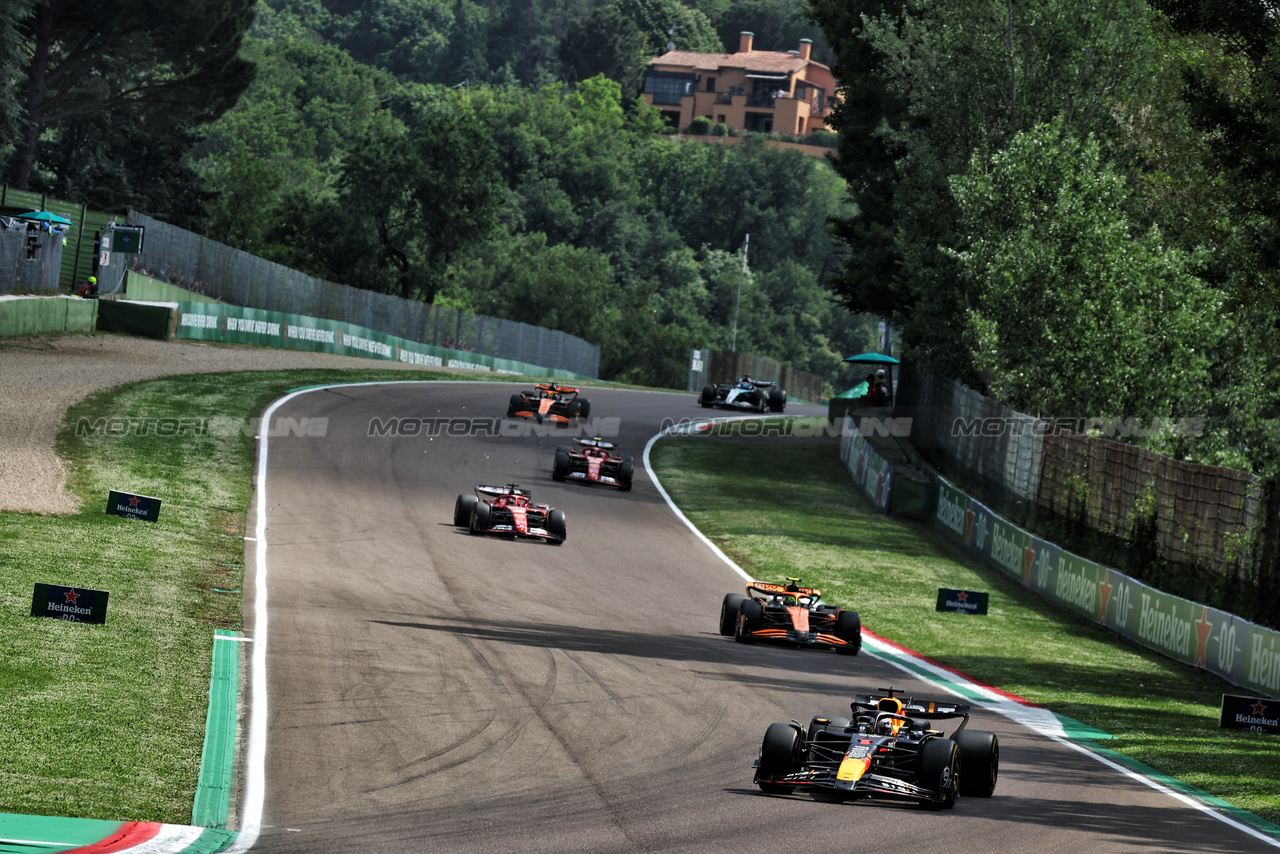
21 315
1237 650
216 322
893 492
150 320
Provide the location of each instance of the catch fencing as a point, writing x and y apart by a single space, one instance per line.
1194 530
206 267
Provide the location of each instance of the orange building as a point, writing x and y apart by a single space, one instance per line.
754 90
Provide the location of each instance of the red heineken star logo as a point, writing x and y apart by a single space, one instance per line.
71 595
1204 629
963 597
133 502
1259 707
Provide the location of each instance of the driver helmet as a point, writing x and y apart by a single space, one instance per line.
885 727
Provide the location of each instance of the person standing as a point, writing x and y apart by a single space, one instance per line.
89 290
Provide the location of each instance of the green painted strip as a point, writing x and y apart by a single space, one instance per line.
213 789
24 834
211 841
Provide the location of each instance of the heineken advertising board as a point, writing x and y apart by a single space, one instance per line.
1221 643
74 604
132 506
1256 714
962 601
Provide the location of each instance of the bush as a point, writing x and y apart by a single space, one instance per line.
700 126
822 137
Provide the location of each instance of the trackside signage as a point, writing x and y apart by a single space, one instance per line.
132 506
1222 643
215 322
73 604
962 601
872 473
1256 714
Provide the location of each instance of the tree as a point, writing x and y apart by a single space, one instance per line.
1078 315
606 42
657 19
176 65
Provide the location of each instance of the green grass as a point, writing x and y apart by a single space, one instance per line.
108 721
788 508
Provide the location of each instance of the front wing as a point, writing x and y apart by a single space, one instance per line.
870 785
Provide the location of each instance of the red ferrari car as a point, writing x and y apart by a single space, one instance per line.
559 404
509 511
593 461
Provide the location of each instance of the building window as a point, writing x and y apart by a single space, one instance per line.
711 84
667 90
720 119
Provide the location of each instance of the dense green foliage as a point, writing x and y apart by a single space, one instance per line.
1072 205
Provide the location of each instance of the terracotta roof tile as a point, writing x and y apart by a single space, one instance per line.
770 61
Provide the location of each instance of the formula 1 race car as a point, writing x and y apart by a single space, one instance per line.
593 461
746 393
510 511
792 614
888 749
558 404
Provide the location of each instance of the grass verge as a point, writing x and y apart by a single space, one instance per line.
787 508
108 721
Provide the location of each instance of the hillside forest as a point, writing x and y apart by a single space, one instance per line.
1072 206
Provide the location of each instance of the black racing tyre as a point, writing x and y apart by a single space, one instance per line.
574 409
556 526
940 768
708 396
566 448
758 400
750 616
626 471
462 510
779 756
480 517
585 410
729 613
515 404
980 760
777 400
560 468
849 628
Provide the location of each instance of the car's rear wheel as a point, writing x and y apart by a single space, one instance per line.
849 630
750 616
779 756
556 526
708 396
585 410
481 515
626 471
980 759
729 612
940 769
462 510
560 468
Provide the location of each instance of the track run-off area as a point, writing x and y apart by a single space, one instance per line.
412 688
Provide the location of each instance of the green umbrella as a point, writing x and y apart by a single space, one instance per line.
45 216
878 358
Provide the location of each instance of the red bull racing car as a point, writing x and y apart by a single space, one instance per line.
593 461
509 511
548 402
887 748
789 613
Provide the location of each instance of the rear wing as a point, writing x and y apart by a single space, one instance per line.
558 389
916 708
772 589
499 491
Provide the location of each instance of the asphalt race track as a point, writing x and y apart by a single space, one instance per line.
430 691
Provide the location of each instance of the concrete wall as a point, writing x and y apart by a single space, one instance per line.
21 315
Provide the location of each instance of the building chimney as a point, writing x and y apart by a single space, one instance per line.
744 41
806 48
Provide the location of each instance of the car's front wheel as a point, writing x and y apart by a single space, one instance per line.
481 516
556 526
940 769
849 630
462 510
779 753
729 612
750 617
